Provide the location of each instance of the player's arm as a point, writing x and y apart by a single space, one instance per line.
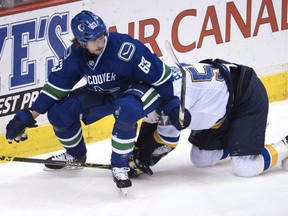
156 139
59 84
153 71
154 142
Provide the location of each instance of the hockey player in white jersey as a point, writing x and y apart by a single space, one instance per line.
226 111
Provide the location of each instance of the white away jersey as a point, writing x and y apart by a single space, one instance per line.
206 94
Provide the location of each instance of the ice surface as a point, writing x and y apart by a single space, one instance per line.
176 188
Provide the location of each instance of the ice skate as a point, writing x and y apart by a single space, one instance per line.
67 159
121 178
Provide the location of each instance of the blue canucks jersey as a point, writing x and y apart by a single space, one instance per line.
123 62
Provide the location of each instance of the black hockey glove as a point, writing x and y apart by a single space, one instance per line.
175 121
172 109
16 127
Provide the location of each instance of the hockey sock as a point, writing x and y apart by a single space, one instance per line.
72 140
273 154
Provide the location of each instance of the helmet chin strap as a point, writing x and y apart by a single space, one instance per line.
106 41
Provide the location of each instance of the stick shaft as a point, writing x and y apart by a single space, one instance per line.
57 163
183 83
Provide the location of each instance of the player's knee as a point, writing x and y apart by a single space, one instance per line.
65 113
245 166
54 116
127 111
202 158
57 118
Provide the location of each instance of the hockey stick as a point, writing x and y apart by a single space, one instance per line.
57 163
183 84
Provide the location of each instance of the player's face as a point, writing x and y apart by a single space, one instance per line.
96 47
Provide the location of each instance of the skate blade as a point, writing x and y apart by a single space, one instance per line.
124 191
66 168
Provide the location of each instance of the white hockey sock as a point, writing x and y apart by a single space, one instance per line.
274 154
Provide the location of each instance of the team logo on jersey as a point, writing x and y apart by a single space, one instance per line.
91 63
101 78
126 51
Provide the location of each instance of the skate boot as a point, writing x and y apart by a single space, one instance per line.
284 163
121 178
67 159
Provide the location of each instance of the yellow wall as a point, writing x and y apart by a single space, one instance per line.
42 140
276 86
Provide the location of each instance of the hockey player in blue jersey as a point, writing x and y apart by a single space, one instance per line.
123 78
228 108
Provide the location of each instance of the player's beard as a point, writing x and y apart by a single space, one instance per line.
97 52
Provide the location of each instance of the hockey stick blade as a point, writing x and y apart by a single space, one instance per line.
56 163
183 84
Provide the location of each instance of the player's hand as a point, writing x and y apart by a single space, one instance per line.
16 127
171 109
176 122
21 137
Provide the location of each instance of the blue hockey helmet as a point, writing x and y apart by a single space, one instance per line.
86 26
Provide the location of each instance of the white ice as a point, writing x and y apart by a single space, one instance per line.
176 188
